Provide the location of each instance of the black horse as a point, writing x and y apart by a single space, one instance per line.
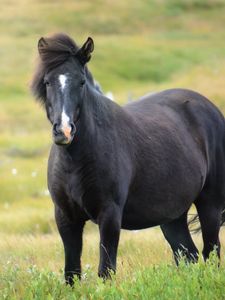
129 167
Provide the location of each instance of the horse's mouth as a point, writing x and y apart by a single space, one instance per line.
63 135
62 140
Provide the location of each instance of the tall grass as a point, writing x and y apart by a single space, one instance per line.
200 281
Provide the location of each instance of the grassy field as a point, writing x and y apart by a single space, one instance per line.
140 47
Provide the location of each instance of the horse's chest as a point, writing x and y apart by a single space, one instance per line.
86 194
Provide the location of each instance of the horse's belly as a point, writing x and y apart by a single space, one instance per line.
163 194
143 212
134 219
130 223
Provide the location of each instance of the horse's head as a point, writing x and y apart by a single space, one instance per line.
60 83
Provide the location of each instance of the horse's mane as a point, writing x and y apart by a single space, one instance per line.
54 51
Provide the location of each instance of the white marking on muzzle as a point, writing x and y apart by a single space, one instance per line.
65 124
62 81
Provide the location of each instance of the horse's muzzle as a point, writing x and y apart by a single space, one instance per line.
63 135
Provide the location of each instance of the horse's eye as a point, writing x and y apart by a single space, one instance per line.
46 82
82 83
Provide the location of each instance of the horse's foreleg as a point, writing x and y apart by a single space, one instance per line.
109 227
71 234
178 236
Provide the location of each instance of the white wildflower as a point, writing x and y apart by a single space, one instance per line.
14 171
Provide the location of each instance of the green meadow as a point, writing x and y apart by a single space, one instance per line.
140 47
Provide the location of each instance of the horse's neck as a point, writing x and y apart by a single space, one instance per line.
89 76
97 113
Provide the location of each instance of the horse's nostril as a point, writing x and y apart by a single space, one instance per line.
73 128
56 129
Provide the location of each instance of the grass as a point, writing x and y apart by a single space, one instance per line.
33 270
188 282
140 46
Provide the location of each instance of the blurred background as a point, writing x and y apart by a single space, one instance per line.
141 46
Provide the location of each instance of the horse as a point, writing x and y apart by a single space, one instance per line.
127 167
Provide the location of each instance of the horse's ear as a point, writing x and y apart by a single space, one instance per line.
42 43
84 53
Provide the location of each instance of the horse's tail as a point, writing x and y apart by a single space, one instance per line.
194 223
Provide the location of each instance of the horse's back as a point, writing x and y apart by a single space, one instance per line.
177 100
189 111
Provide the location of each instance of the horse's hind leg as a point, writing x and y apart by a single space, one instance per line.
209 212
178 236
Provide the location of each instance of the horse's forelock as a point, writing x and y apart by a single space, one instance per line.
56 49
